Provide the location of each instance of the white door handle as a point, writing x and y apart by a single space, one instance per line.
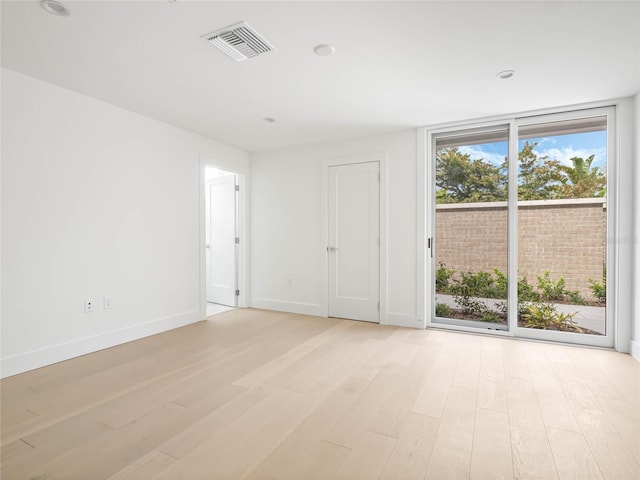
332 249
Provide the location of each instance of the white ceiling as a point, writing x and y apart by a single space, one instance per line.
397 64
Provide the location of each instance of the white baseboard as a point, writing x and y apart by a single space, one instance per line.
291 307
403 320
65 351
635 349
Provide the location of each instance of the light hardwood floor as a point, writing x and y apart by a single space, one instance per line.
266 395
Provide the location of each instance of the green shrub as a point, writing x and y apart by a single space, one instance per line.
496 285
476 284
575 298
598 289
502 308
544 316
491 316
471 305
443 310
469 288
549 289
526 291
444 277
500 284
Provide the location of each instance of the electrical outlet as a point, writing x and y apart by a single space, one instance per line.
89 305
106 302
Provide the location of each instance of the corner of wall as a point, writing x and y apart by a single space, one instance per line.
635 308
635 349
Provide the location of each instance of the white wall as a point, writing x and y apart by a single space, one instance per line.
96 201
635 329
287 226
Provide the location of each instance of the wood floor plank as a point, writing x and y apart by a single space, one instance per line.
53 442
532 457
412 453
435 390
491 356
467 370
260 375
320 462
348 359
451 456
103 456
291 457
14 417
364 411
492 390
271 395
395 411
624 415
514 360
553 405
257 432
491 457
218 418
368 457
383 354
13 452
615 459
146 467
573 458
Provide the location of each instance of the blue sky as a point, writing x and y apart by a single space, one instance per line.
559 147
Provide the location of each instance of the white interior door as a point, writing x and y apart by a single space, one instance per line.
354 241
221 240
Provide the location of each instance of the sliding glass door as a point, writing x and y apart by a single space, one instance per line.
519 225
564 166
471 228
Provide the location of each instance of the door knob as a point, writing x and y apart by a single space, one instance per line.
332 249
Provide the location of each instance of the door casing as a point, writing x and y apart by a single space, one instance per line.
354 234
382 159
243 230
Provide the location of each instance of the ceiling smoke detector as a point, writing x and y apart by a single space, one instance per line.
239 41
324 50
54 7
505 74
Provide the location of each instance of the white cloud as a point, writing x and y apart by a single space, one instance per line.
475 153
565 154
562 154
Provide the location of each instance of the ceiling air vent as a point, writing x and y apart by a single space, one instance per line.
239 41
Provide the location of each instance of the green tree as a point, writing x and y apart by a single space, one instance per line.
539 178
581 180
461 179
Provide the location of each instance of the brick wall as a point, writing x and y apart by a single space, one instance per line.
566 237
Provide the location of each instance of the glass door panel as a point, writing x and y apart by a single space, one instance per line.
562 226
471 228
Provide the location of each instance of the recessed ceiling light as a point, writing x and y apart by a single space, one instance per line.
268 120
503 75
324 50
55 7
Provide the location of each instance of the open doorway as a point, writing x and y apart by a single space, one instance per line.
221 240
